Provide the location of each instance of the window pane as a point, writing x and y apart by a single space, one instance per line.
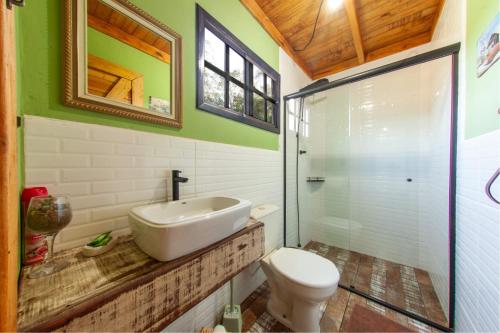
236 98
258 78
269 87
270 113
214 50
213 88
258 107
236 65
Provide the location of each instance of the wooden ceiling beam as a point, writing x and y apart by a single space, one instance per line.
374 55
117 33
335 68
257 12
352 16
405 44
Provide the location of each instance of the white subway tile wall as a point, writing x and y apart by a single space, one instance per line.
433 218
478 236
106 171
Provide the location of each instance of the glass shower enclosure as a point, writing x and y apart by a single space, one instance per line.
369 182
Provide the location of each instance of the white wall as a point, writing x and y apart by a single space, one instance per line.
478 237
478 218
433 196
299 81
334 227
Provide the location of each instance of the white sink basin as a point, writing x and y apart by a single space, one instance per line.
169 230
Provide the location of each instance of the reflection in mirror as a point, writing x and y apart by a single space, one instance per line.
127 62
121 61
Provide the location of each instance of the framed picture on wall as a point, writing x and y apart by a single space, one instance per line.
488 46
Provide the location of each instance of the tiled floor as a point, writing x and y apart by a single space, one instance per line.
335 317
403 286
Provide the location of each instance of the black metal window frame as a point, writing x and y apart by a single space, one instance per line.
205 21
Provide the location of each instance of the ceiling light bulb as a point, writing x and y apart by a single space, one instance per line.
334 4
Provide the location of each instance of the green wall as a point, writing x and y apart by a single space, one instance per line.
482 94
39 40
156 73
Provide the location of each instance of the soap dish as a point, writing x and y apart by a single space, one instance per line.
315 179
90 251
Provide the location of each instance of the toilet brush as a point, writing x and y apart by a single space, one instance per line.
232 319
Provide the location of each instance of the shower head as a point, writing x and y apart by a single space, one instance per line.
315 84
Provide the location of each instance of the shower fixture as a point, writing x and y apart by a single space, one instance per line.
315 84
298 152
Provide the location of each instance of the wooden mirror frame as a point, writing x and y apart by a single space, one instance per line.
72 95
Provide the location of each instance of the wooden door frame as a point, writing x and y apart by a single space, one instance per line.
9 195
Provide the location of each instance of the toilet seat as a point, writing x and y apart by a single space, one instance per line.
300 283
305 268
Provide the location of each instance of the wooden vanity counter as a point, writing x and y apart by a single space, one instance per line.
126 290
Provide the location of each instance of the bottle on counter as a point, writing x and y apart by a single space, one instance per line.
35 244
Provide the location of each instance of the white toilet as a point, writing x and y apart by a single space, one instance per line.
300 282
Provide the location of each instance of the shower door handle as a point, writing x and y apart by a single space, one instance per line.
490 182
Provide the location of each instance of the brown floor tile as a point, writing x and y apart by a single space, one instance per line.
403 286
397 284
434 309
338 311
334 313
347 278
422 277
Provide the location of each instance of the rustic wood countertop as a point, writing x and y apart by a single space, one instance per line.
89 282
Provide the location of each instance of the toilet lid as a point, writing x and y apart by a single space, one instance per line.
305 268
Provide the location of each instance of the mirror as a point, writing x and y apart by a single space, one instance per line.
120 60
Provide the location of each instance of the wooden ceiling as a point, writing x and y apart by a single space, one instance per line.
114 24
358 31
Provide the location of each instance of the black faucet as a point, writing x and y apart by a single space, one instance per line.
176 179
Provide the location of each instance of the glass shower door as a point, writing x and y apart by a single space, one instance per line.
399 178
385 141
382 147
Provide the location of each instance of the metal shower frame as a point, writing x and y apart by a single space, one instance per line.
453 51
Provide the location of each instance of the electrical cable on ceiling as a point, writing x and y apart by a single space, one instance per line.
314 30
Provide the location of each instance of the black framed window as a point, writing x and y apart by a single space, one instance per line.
232 81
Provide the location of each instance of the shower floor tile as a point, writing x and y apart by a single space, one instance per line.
403 286
335 317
